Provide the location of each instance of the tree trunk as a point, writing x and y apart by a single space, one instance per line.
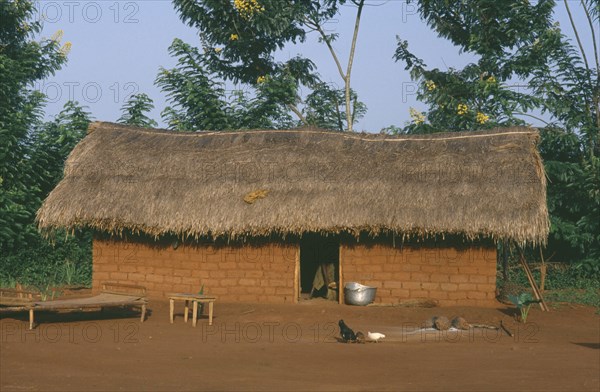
349 109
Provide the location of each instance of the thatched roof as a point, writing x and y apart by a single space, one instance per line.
477 184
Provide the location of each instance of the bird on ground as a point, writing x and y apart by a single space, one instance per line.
375 336
346 332
360 337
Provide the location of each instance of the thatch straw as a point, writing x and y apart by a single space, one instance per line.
475 184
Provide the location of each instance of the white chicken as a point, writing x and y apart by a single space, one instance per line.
375 336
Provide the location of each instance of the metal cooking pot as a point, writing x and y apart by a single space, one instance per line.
358 294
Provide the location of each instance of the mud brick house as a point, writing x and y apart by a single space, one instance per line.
250 215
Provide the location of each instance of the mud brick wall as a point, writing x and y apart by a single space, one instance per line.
451 276
245 274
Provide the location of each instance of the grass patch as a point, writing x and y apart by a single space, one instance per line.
589 296
564 284
558 277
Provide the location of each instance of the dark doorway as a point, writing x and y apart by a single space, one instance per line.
318 254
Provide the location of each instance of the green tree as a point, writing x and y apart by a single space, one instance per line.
199 100
33 259
239 41
325 107
135 109
53 141
518 42
23 61
500 36
32 153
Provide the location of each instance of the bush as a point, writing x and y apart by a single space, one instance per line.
43 264
558 277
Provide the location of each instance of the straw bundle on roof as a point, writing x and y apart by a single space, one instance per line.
489 184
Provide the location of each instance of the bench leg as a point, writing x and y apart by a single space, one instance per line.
143 313
186 311
210 312
171 309
30 318
194 312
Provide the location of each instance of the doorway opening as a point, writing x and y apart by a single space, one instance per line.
319 266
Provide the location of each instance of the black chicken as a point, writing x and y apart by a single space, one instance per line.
346 332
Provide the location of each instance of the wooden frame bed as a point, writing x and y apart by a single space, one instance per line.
112 295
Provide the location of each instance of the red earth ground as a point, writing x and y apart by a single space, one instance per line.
294 347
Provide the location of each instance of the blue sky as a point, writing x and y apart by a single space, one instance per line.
118 47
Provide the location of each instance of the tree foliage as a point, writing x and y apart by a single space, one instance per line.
23 60
525 68
482 94
239 41
199 100
135 109
32 152
48 146
54 140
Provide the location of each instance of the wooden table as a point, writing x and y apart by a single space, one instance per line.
194 299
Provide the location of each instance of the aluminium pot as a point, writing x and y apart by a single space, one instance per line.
358 294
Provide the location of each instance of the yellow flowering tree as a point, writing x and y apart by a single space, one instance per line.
248 8
481 118
416 116
479 95
198 99
515 41
249 32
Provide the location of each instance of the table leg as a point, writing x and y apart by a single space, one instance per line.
171 308
194 312
210 312
30 318
143 313
186 311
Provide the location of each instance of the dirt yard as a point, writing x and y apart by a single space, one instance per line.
294 347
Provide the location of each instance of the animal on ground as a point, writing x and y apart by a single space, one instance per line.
460 323
441 323
375 336
346 332
360 337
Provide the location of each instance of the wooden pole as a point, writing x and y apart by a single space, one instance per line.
505 261
542 271
341 275
297 287
536 290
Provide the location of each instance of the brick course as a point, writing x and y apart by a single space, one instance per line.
244 273
450 276
265 273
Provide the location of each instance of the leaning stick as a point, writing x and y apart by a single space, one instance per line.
505 329
536 290
485 326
